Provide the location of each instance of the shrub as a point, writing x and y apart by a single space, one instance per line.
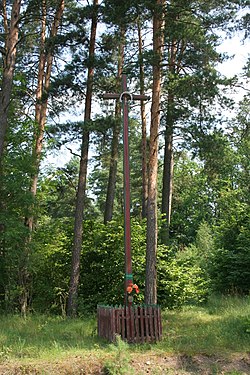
181 279
230 266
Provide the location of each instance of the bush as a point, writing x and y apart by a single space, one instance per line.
102 273
181 279
230 266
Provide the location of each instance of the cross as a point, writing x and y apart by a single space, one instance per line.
125 96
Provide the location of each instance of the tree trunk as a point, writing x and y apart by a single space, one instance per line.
43 83
143 128
150 287
110 197
38 133
78 229
9 60
42 92
167 180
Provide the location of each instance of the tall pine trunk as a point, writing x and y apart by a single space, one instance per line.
9 61
110 196
168 166
82 179
152 229
42 94
43 84
143 127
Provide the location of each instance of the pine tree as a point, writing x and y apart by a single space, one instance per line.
191 81
78 228
11 30
152 230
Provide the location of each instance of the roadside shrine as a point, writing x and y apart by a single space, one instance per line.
135 324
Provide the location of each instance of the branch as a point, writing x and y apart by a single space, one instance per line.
72 152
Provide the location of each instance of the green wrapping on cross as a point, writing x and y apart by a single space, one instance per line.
128 276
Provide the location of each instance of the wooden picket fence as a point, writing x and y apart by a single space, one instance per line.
134 324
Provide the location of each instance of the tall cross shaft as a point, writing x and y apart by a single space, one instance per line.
124 97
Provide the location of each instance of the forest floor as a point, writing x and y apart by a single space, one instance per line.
208 340
153 363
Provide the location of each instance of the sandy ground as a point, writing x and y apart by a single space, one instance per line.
141 365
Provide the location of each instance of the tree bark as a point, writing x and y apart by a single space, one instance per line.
151 276
168 168
43 84
9 61
110 196
143 127
78 229
42 93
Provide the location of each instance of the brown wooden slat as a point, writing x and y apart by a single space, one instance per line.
104 319
132 324
142 325
160 323
123 323
112 324
156 325
117 322
105 324
151 331
137 319
146 324
128 335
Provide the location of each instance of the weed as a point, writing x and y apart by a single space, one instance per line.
5 353
120 364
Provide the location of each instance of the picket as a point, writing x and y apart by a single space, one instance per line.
134 324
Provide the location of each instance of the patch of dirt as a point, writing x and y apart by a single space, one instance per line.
142 364
197 364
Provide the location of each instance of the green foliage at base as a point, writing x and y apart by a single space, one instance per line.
186 275
120 364
181 279
230 269
218 327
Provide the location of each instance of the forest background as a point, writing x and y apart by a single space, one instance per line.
61 227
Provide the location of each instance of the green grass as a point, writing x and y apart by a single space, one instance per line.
217 329
45 336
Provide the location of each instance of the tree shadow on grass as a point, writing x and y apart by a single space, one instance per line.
214 365
204 333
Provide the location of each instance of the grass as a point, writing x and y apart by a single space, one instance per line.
42 336
218 329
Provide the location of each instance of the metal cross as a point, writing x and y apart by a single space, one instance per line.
124 98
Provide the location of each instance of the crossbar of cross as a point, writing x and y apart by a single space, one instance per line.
123 94
124 97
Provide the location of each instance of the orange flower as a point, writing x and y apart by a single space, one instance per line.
135 287
129 289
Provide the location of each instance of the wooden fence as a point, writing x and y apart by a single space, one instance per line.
135 324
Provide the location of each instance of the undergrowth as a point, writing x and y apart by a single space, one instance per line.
219 328
120 362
